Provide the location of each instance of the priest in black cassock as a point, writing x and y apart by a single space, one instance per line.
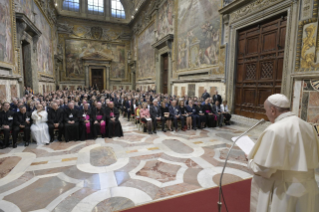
21 121
114 127
71 123
6 122
55 121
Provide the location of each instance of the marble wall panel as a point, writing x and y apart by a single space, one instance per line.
14 91
304 105
24 6
3 93
183 91
197 89
6 34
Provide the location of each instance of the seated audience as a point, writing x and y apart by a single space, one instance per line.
210 117
156 115
166 117
39 128
146 118
55 121
226 113
114 127
21 122
71 123
6 123
99 120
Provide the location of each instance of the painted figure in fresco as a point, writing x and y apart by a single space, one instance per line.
5 32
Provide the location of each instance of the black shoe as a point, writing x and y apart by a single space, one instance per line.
2 147
26 143
154 132
66 141
195 128
164 130
150 133
60 139
14 146
47 144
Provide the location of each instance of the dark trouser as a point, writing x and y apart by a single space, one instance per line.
220 119
83 134
196 121
149 124
154 120
202 119
97 130
51 131
227 117
114 129
210 120
5 142
176 119
128 114
26 133
71 132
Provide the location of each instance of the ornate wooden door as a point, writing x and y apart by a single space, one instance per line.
260 60
165 74
97 78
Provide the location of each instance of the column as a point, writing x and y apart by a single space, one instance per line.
107 78
169 72
87 83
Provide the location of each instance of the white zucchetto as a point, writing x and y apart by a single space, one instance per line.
279 100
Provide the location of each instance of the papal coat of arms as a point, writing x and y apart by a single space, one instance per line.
96 32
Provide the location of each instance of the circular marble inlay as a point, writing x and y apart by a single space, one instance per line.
227 179
113 204
178 146
102 156
160 171
7 164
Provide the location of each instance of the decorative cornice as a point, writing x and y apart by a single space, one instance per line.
97 56
31 28
233 6
167 38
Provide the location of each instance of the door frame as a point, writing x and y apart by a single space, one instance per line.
161 73
104 74
286 7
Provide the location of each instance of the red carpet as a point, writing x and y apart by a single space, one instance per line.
237 196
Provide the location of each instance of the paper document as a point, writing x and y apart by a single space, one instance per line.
148 119
244 143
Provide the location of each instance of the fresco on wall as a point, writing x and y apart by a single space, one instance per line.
6 45
165 19
44 47
198 33
76 49
24 6
146 62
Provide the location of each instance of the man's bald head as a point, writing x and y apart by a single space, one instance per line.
71 105
98 105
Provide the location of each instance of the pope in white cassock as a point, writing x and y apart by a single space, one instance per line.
39 128
283 161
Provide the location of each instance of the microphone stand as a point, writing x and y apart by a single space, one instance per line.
219 203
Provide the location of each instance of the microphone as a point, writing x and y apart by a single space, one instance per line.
219 203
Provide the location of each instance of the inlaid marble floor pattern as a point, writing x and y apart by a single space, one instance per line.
115 174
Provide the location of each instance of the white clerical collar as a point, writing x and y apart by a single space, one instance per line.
284 115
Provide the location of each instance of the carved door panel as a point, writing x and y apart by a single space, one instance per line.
165 74
97 78
260 58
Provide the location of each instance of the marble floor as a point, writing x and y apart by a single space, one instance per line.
115 174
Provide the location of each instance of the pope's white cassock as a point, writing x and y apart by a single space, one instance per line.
39 128
283 161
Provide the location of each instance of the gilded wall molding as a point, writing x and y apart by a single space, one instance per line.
309 59
254 7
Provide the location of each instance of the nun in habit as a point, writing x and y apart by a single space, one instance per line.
284 160
39 128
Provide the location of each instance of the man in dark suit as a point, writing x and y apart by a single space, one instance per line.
71 123
98 117
14 105
205 95
175 114
156 115
129 108
217 97
55 121
21 121
217 110
6 123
